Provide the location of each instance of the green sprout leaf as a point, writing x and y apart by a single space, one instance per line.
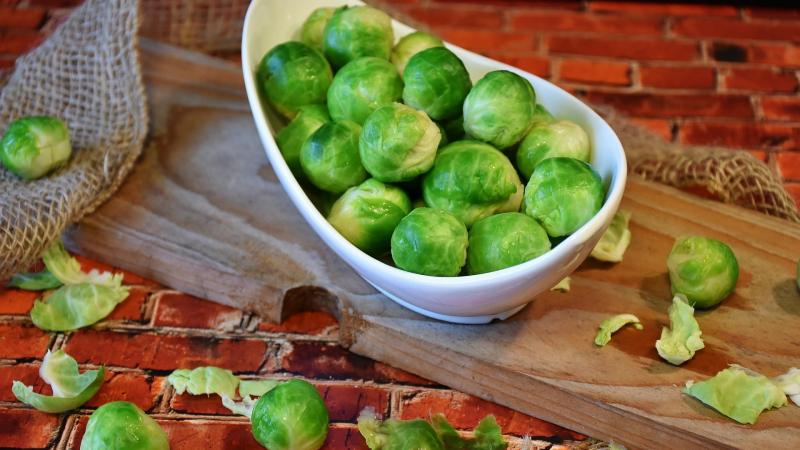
681 340
738 393
76 305
615 240
487 435
35 281
612 325
68 270
790 383
563 285
204 380
394 434
256 388
71 389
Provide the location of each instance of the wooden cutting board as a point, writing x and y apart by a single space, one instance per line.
204 213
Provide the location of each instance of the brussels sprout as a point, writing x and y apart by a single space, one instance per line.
367 214
486 436
704 270
737 393
35 146
292 75
431 242
562 138
313 28
123 426
681 340
612 325
436 82
76 306
499 109
443 135
361 87
563 194
411 44
291 416
329 157
68 270
504 240
615 240
204 380
357 32
290 139
394 434
398 143
790 384
71 389
35 281
472 180
541 116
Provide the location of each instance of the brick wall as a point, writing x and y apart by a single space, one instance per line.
693 73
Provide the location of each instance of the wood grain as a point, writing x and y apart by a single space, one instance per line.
204 213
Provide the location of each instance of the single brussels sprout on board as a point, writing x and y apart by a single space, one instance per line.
123 426
563 194
499 108
472 180
612 325
392 434
35 146
313 29
504 240
290 416
356 32
361 87
292 75
436 82
366 215
682 339
704 270
329 157
430 242
561 138
398 143
71 389
411 44
290 139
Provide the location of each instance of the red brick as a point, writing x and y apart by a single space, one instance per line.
136 388
778 54
27 428
465 411
759 80
533 20
464 17
660 127
675 105
781 108
26 373
663 8
306 322
345 402
127 277
744 134
54 3
344 437
595 72
536 65
678 77
132 309
22 341
494 41
21 18
165 352
642 49
199 404
761 12
18 42
794 191
539 4
789 163
7 62
182 310
714 27
16 301
323 360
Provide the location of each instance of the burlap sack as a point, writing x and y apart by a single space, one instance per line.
87 73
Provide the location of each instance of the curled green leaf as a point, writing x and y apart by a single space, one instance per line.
615 240
242 408
204 380
563 285
256 388
392 434
71 389
612 324
790 383
486 436
681 340
35 281
68 270
77 305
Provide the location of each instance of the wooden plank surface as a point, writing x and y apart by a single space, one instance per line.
204 213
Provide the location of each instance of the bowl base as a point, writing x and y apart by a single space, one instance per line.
465 320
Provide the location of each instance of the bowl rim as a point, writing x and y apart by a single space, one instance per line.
310 212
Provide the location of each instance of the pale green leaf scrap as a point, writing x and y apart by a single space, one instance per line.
35 281
615 240
242 408
738 393
790 383
563 285
612 324
68 270
681 340
256 388
204 380
76 306
486 436
71 389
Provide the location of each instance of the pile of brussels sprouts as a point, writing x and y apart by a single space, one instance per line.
402 153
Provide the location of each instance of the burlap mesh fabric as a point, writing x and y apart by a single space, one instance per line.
87 73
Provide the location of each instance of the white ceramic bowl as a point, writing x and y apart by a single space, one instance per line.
465 299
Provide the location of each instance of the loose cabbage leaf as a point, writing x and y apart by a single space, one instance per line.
392 434
562 286
35 281
615 240
204 380
681 340
790 383
243 408
76 305
612 324
487 435
256 388
68 270
738 393
71 388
